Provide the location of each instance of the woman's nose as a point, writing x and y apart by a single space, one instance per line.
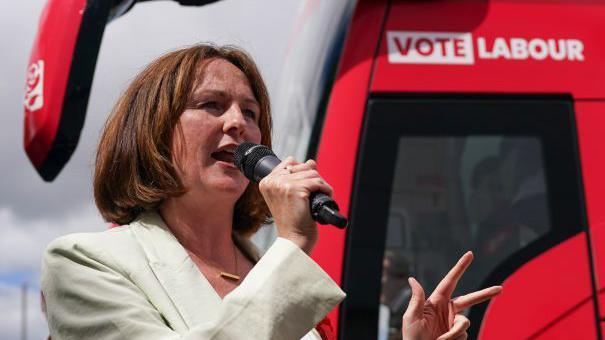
235 122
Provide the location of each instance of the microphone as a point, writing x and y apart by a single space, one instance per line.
257 161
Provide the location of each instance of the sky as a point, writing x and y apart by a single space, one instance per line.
33 212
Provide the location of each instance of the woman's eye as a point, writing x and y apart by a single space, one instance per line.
250 114
210 106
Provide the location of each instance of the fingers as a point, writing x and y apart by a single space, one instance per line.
298 175
458 330
290 166
316 184
448 284
305 174
308 165
416 306
465 301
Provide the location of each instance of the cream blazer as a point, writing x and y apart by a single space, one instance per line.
137 282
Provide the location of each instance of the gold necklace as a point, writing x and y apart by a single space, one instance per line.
229 276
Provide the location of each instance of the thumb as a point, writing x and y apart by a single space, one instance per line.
416 305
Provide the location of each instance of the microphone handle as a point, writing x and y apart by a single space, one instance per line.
323 208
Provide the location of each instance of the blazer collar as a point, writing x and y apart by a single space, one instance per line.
191 293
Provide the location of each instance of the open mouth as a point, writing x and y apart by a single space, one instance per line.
223 156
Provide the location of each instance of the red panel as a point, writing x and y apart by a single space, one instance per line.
578 324
544 296
526 64
598 249
48 72
591 126
338 144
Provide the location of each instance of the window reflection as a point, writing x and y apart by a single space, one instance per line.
451 194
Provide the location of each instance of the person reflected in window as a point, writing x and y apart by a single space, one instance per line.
529 200
395 293
489 210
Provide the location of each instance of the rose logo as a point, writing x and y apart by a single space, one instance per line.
34 96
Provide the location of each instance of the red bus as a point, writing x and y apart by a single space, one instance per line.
456 125
446 126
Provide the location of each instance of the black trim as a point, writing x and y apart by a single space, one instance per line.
349 328
78 87
591 260
188 2
331 69
471 96
387 119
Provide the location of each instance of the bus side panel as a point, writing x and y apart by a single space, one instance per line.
542 297
591 126
344 117
435 48
578 324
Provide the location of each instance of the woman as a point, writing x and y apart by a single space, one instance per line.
180 264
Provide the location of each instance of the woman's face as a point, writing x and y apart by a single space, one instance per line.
221 114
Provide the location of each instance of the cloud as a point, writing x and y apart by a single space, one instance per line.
24 240
21 246
129 43
10 322
33 212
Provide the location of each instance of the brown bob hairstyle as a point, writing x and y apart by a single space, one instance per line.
135 170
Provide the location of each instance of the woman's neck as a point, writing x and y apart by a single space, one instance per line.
203 228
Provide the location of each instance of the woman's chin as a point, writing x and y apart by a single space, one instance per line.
229 188
227 184
221 179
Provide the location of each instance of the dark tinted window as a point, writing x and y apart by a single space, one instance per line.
450 194
437 177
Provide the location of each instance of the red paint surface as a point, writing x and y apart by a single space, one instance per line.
579 324
338 145
507 19
591 133
57 34
548 297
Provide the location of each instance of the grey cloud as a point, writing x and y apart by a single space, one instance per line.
33 212
148 30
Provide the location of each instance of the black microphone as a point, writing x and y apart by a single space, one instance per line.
257 161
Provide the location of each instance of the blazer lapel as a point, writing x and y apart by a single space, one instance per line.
192 295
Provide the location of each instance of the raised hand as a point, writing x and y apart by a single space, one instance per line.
438 316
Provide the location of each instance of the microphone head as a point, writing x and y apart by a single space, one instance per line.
246 156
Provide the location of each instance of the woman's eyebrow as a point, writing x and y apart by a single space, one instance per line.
218 93
224 94
251 101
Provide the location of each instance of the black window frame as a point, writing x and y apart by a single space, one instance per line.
389 117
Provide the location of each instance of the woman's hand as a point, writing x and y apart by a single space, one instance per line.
286 190
438 316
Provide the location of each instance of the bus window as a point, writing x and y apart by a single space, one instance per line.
436 177
484 193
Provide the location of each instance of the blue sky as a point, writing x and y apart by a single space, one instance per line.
17 277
